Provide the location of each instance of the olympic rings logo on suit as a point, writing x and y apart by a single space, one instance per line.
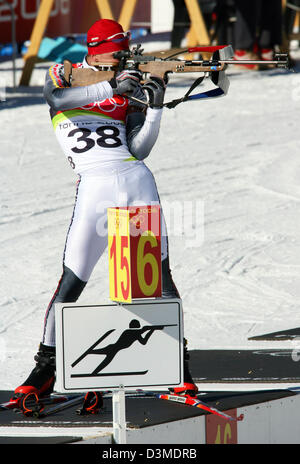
103 106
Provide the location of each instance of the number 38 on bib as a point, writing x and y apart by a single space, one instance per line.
134 250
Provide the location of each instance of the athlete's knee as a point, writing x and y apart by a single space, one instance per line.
70 286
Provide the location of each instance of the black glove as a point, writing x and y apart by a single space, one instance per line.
140 94
126 81
155 88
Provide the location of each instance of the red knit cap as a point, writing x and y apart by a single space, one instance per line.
101 30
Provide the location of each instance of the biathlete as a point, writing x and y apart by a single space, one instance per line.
105 137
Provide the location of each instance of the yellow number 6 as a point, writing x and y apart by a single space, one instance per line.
143 260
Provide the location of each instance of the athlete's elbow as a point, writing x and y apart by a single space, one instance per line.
53 100
54 105
140 156
139 150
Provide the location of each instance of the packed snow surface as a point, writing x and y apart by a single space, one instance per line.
228 174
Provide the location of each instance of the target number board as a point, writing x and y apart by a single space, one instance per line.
134 251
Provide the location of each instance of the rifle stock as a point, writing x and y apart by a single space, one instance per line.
79 77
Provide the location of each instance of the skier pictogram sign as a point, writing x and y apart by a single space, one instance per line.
137 345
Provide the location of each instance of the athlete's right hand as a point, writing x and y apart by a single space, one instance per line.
126 81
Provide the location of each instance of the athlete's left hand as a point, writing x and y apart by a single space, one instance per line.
155 88
140 94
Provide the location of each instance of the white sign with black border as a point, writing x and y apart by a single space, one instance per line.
137 345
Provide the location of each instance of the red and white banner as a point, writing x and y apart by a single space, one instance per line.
67 17
25 14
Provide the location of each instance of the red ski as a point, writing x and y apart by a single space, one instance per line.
190 401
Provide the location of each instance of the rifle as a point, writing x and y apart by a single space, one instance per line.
157 327
213 68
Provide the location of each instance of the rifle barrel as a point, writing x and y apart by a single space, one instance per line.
156 327
223 63
219 62
254 62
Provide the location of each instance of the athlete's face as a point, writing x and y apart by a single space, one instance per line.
103 58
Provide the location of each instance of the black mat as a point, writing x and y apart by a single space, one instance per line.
244 366
141 412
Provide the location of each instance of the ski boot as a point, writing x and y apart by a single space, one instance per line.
42 377
189 387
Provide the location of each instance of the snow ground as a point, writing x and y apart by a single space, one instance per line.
227 169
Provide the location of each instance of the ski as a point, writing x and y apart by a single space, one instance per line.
190 401
13 403
58 407
31 405
27 402
41 406
91 403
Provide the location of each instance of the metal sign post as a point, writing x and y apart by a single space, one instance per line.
119 416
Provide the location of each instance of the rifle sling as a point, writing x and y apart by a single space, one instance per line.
176 102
